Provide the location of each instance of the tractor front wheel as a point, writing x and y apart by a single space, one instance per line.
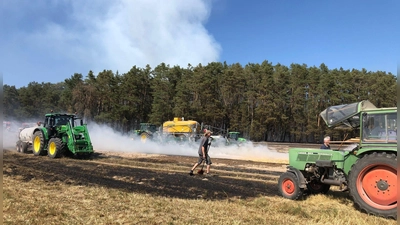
55 148
38 143
144 137
373 184
289 187
315 187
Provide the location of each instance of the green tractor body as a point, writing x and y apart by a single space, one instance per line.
367 167
234 138
228 139
60 134
146 132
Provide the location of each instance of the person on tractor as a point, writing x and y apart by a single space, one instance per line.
326 145
376 129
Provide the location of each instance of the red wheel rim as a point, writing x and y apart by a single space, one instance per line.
377 186
288 186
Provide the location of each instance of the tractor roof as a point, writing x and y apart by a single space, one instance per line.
59 114
348 114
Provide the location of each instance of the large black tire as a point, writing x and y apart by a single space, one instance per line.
18 146
55 148
38 143
315 187
24 147
289 186
373 184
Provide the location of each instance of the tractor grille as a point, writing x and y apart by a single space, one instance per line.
310 157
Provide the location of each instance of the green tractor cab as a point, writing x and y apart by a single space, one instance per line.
368 170
234 137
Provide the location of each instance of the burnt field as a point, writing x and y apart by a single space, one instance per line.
135 188
152 174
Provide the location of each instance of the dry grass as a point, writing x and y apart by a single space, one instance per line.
34 200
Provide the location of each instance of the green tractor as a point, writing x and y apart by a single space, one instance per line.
368 169
234 137
146 132
60 134
226 138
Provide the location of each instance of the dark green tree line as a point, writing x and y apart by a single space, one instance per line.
265 102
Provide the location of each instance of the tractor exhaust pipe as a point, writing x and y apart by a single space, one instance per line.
330 181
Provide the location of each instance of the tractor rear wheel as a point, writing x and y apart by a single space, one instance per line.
373 184
56 147
289 187
315 187
38 143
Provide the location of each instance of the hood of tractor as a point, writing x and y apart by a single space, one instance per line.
347 114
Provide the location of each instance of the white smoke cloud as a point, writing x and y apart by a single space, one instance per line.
120 34
105 139
11 129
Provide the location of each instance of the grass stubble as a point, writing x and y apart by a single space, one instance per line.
36 201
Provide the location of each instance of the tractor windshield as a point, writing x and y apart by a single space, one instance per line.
234 135
148 127
62 120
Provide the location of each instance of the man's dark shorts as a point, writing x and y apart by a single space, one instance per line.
208 160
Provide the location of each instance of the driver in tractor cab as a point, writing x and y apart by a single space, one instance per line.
376 129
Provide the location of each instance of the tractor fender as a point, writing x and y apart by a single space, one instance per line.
299 175
44 132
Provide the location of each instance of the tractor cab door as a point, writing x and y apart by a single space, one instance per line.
49 125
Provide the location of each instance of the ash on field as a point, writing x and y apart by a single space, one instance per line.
153 174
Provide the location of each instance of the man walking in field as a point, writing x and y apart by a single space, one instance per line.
203 153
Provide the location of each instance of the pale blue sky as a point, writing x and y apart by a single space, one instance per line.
49 40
